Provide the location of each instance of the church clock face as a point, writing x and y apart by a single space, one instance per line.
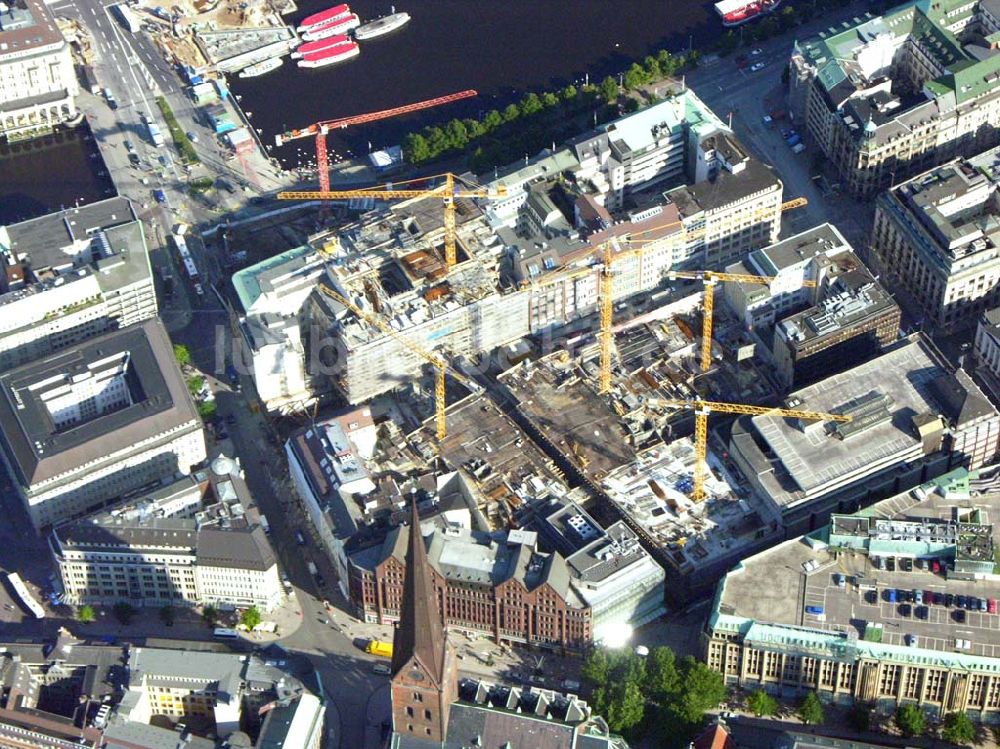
416 674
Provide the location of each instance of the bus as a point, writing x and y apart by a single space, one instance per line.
224 633
24 595
380 648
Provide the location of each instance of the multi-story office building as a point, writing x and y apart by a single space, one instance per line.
852 323
807 256
89 424
913 418
72 275
781 623
665 144
275 346
987 350
37 80
165 562
938 237
894 95
197 541
609 569
503 587
66 693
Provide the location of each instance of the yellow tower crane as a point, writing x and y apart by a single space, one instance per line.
710 278
441 366
702 408
606 293
446 191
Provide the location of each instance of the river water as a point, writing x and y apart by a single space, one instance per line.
498 47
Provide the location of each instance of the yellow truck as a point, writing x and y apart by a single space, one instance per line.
379 648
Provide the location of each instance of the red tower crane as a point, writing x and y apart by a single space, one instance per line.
320 129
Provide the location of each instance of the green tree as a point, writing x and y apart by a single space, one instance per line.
550 99
438 141
635 77
416 149
458 134
860 717
569 93
910 720
530 104
596 669
167 615
729 42
652 67
207 409
626 706
182 354
195 384
810 709
694 57
609 89
492 120
123 612
662 679
958 729
667 63
210 615
475 128
760 703
86 614
251 617
700 690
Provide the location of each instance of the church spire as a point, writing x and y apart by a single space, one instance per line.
420 634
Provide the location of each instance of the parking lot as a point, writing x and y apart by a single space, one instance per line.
863 600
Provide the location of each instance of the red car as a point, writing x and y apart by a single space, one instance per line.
935 566
991 605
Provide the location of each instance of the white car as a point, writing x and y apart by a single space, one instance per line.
755 52
757 66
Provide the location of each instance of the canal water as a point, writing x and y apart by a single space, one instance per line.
48 173
499 47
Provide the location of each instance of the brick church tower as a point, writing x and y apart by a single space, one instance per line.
424 682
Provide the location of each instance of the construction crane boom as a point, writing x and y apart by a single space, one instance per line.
710 278
319 130
446 191
440 364
703 408
747 410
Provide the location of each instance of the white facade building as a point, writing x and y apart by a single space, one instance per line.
37 80
94 422
71 275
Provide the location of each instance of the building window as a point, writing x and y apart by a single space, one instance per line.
409 712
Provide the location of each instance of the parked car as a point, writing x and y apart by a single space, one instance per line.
193 137
904 609
921 612
161 197
839 580
382 668
299 538
757 66
982 604
756 51
949 599
960 601
991 605
958 615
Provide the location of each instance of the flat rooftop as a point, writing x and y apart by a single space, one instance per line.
766 595
27 26
39 446
888 395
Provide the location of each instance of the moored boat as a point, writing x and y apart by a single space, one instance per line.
319 45
334 28
737 12
330 55
259 68
381 26
324 16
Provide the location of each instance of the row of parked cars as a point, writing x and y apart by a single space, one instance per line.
924 598
904 564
